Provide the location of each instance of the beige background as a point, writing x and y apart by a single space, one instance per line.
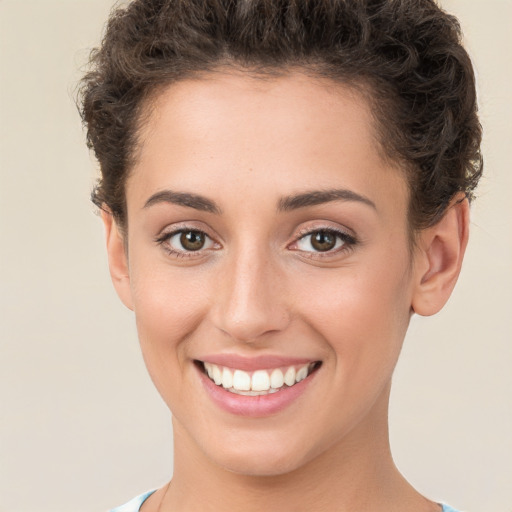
81 427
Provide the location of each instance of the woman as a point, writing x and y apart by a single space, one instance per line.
283 185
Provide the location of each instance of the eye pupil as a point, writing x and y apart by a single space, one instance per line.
323 240
192 240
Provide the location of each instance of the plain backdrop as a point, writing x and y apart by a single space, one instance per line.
81 427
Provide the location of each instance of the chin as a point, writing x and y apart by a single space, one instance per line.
260 459
258 467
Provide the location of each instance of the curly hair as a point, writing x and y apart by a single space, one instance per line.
406 53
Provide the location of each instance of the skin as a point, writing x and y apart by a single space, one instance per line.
259 287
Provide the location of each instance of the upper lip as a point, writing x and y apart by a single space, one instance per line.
250 364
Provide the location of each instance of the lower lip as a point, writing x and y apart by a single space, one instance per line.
254 406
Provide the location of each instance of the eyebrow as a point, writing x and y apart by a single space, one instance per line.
316 197
285 204
187 199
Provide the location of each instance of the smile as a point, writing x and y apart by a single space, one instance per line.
259 382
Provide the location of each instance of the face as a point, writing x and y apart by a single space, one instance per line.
267 244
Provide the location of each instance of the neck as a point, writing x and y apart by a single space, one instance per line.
356 473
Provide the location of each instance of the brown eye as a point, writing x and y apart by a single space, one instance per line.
187 243
192 240
323 240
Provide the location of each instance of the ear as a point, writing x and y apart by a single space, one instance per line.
117 259
440 251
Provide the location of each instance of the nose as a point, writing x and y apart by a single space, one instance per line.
251 299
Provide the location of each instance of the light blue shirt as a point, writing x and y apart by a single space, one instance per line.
135 504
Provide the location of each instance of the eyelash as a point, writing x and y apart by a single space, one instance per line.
348 242
163 241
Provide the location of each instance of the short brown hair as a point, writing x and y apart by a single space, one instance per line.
407 53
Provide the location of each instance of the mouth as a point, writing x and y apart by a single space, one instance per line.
259 382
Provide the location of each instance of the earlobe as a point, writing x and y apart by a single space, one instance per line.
117 258
440 251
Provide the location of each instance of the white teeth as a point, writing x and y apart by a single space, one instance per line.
253 393
227 379
217 375
289 376
301 374
276 379
261 382
241 380
208 368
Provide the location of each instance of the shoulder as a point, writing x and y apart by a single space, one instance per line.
133 505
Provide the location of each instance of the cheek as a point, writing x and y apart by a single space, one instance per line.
169 306
166 298
362 318
363 314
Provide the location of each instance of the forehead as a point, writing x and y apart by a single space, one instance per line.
292 105
291 131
